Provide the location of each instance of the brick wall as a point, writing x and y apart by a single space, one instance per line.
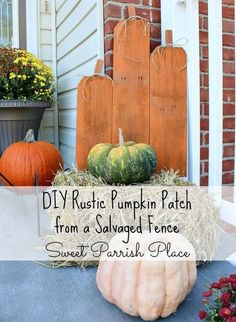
228 92
117 9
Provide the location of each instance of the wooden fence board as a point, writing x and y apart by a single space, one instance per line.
94 114
131 79
168 107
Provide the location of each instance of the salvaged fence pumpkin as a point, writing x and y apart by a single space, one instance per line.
124 163
23 161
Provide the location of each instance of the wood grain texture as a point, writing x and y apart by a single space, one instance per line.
169 37
94 116
168 108
131 11
131 78
98 67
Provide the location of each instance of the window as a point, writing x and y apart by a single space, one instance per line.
6 25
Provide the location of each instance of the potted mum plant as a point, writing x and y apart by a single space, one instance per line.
220 301
26 90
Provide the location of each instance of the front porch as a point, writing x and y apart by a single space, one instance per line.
70 293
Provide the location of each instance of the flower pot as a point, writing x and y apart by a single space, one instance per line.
17 117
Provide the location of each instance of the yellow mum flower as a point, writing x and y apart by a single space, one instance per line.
28 66
12 75
17 60
21 60
40 78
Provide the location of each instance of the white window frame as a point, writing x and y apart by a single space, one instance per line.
32 26
15 24
32 20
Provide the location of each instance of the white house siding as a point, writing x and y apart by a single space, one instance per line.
47 132
78 37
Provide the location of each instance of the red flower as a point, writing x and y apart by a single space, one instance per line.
207 294
215 285
220 300
202 315
226 299
224 280
225 313
233 283
226 296
223 285
232 278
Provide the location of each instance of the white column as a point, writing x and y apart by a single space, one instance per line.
167 18
100 28
32 26
215 92
192 31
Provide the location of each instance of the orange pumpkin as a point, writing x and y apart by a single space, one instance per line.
23 161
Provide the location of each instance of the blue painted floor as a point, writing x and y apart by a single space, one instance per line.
32 293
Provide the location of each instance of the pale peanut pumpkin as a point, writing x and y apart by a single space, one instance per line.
150 289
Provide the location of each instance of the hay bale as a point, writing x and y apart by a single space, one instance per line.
75 177
201 228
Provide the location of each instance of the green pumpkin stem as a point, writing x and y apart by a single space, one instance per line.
121 138
29 138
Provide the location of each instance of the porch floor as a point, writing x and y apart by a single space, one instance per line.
30 292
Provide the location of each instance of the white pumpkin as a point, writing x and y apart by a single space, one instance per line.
146 288
150 289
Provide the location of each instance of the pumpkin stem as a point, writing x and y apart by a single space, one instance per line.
29 136
121 138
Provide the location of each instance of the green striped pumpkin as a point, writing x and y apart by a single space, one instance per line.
123 163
